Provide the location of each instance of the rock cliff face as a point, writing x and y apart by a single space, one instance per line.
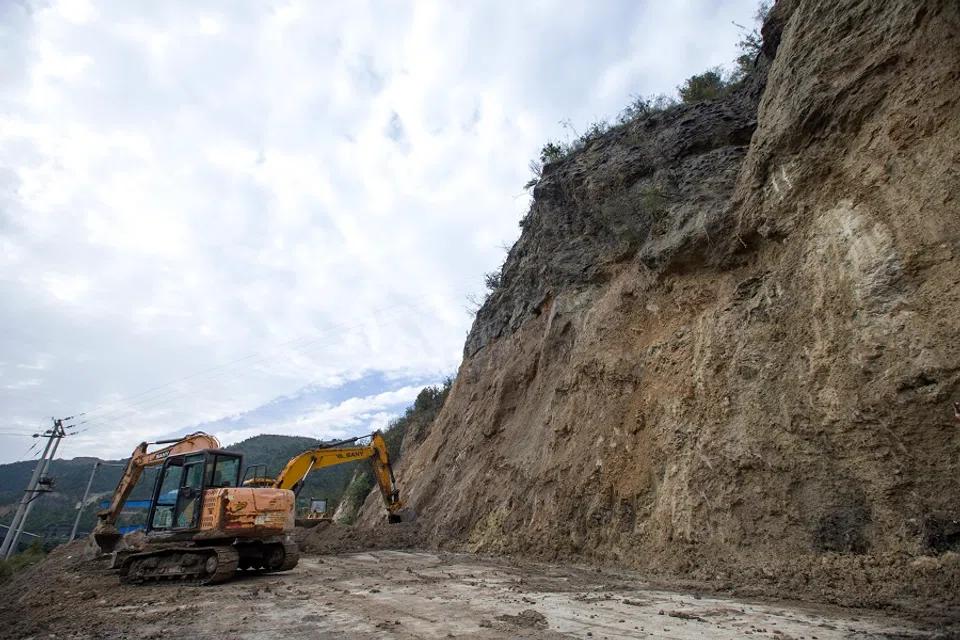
727 340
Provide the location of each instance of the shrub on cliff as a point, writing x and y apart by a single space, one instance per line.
750 44
645 106
717 82
703 86
712 83
491 280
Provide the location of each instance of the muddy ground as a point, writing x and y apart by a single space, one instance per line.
382 593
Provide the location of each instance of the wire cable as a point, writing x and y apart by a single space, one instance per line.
280 346
223 373
101 421
345 326
27 452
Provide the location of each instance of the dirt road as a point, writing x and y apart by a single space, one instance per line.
404 594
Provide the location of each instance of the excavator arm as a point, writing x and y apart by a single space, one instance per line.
383 472
298 468
105 532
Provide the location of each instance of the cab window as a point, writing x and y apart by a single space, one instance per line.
167 496
226 473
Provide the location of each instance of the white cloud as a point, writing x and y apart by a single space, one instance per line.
353 416
183 185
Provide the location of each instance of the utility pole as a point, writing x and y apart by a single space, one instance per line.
83 501
32 491
22 507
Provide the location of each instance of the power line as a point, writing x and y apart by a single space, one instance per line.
26 453
202 385
101 421
345 326
244 366
20 430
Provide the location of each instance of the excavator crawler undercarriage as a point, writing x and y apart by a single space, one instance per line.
208 565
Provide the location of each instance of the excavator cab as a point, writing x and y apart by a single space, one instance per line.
317 512
318 508
181 484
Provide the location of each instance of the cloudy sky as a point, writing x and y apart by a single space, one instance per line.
266 215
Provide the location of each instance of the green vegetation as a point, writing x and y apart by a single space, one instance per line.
57 507
356 492
646 202
418 417
491 280
712 83
415 423
33 554
645 106
751 42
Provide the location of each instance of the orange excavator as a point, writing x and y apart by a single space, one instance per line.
202 524
295 473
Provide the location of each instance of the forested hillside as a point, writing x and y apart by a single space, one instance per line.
59 506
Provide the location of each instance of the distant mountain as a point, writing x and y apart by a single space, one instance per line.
353 406
58 507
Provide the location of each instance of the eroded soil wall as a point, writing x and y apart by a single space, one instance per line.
727 341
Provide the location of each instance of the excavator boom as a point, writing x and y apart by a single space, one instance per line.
297 469
105 532
294 474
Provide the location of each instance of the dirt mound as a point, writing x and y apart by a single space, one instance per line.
528 618
67 576
332 538
74 578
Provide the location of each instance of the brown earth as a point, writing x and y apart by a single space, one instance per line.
725 345
410 594
329 538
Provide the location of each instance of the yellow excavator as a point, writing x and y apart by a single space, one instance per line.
295 473
202 524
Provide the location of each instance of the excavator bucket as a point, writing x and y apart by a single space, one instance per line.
403 514
309 523
107 539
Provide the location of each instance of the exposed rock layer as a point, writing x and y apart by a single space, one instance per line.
726 343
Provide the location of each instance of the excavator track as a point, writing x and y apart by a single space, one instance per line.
204 565
291 555
226 569
271 557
